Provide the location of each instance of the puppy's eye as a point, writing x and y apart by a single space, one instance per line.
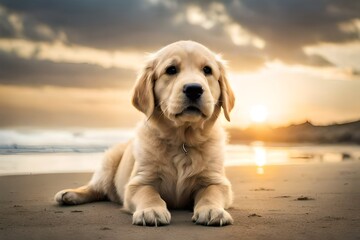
171 70
207 70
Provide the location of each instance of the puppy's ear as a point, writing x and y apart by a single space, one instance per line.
143 94
227 98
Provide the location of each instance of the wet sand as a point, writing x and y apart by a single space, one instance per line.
309 201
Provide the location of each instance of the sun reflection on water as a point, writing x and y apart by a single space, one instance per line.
260 157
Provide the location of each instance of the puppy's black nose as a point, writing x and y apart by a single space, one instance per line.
193 91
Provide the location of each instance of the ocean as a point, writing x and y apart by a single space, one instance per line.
57 151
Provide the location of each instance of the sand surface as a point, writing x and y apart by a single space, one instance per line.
266 207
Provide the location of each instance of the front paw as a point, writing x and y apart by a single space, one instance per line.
212 216
153 216
67 197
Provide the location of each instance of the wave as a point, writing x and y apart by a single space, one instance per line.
60 141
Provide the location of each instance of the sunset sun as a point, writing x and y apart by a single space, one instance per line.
259 113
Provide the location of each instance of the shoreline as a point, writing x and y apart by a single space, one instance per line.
236 155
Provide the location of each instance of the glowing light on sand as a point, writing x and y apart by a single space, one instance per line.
259 113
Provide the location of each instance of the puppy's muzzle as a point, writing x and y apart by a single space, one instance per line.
193 91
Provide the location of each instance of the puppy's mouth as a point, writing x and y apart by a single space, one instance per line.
191 110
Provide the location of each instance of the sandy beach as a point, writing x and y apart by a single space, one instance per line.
310 201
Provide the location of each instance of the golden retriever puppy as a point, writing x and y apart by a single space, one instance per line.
176 159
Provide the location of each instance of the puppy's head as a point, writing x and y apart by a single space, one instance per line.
186 82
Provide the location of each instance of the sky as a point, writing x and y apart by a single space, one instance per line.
73 63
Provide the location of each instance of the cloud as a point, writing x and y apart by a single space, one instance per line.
216 15
343 55
115 34
280 69
60 52
66 107
58 42
288 26
15 25
352 27
129 22
30 39
106 25
241 30
47 73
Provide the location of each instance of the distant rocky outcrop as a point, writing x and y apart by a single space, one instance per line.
305 132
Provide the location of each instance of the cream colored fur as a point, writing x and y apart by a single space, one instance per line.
176 159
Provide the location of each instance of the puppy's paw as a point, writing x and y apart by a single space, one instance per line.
212 216
67 197
154 216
